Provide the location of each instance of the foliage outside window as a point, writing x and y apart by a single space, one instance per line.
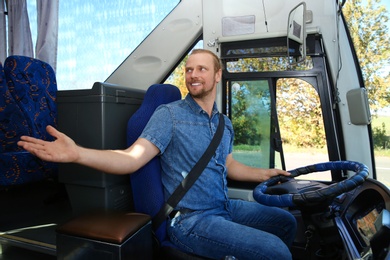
266 64
250 107
370 35
299 114
298 106
368 25
177 77
251 119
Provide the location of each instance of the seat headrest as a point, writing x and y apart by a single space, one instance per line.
155 96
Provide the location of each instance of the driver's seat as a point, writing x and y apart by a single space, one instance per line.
146 183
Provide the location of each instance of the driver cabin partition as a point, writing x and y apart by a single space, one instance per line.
97 118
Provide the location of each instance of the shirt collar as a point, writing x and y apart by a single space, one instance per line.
196 108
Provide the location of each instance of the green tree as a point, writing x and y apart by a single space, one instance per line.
370 35
250 112
299 114
380 137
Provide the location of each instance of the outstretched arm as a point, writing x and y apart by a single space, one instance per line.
65 150
241 172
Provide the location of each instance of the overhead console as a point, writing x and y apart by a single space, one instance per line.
364 220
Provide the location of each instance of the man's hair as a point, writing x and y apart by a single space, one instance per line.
217 61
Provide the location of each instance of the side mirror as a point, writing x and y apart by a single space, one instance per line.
359 110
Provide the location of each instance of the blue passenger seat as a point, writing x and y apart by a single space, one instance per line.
148 193
28 91
148 178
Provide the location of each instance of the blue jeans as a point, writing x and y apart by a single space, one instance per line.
246 230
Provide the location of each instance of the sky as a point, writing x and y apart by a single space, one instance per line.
95 36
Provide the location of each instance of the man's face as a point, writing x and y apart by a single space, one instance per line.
201 77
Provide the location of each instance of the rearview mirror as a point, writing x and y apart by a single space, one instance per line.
296 32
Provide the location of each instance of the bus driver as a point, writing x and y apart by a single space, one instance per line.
179 132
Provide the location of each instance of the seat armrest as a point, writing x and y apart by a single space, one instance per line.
108 227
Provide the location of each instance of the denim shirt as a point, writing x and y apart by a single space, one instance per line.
182 131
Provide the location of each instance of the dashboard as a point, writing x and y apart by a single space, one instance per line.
363 220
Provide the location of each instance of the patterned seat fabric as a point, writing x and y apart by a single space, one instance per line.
27 105
13 124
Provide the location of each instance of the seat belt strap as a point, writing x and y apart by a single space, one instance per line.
191 178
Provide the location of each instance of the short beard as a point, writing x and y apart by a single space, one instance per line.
202 93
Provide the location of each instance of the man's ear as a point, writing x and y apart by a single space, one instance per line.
218 76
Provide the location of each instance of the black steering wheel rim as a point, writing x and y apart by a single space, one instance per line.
312 197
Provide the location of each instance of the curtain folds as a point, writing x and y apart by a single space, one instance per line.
19 33
47 40
3 31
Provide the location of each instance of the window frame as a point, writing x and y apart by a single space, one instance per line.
317 77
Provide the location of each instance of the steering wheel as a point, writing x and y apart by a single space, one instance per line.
316 196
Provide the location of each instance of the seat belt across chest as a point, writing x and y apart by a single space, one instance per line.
191 178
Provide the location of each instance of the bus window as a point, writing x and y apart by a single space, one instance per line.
96 36
301 126
292 137
250 114
275 107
